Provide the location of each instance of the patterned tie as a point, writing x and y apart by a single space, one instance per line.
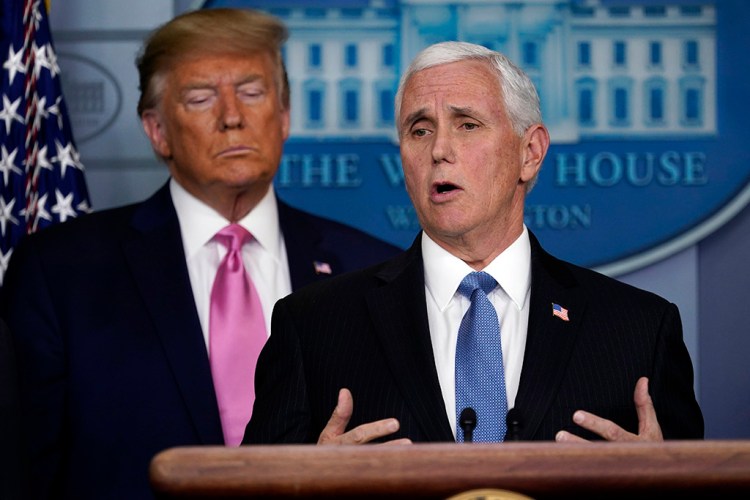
237 332
480 379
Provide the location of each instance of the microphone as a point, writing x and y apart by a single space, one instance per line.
467 421
513 422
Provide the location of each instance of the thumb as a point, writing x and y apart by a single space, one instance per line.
648 425
336 425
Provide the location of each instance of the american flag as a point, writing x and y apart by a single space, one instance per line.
322 267
560 312
42 175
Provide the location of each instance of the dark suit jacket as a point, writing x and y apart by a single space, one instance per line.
10 421
113 365
368 331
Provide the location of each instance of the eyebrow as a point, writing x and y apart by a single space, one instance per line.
462 110
421 113
413 117
251 78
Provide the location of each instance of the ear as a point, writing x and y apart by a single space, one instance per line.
285 122
535 146
154 128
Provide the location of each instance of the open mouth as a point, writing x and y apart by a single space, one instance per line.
445 188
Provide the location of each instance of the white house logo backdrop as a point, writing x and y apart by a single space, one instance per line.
643 100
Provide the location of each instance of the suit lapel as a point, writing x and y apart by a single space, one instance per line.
550 339
156 258
399 313
302 247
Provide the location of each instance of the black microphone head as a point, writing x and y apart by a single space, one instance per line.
513 423
468 418
514 417
467 421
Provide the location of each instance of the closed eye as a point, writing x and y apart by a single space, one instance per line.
251 91
199 98
251 94
200 101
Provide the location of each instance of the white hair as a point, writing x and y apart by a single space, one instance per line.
519 95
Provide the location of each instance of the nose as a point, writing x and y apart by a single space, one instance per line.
230 114
442 147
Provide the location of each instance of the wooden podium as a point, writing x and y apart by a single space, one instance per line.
539 470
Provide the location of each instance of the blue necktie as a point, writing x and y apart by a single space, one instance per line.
480 378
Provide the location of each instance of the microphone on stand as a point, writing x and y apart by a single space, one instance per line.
514 426
468 421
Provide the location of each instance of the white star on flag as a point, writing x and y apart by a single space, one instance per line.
8 163
63 207
41 208
67 156
14 64
4 259
10 113
6 214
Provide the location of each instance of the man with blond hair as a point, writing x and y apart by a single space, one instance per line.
127 343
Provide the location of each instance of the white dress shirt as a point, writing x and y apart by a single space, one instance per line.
446 308
264 257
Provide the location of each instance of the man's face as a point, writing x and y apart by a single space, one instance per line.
220 126
464 167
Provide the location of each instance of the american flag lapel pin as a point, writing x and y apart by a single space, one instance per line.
322 267
560 312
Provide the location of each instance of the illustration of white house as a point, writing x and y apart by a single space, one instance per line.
603 69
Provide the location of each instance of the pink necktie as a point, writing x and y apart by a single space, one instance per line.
237 332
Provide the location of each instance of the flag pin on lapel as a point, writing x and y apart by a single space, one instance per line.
322 267
560 312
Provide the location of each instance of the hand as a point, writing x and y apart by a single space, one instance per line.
333 433
648 425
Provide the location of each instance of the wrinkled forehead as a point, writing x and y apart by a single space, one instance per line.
450 88
462 79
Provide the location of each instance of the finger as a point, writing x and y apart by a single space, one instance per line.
339 418
602 427
368 432
648 424
567 437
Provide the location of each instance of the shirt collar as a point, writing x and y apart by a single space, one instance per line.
444 271
199 222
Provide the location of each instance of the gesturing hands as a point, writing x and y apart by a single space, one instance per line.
648 425
334 431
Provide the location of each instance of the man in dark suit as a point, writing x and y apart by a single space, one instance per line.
110 312
583 355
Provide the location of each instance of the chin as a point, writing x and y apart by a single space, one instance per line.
246 177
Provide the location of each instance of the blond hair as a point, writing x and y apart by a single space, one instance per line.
206 32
